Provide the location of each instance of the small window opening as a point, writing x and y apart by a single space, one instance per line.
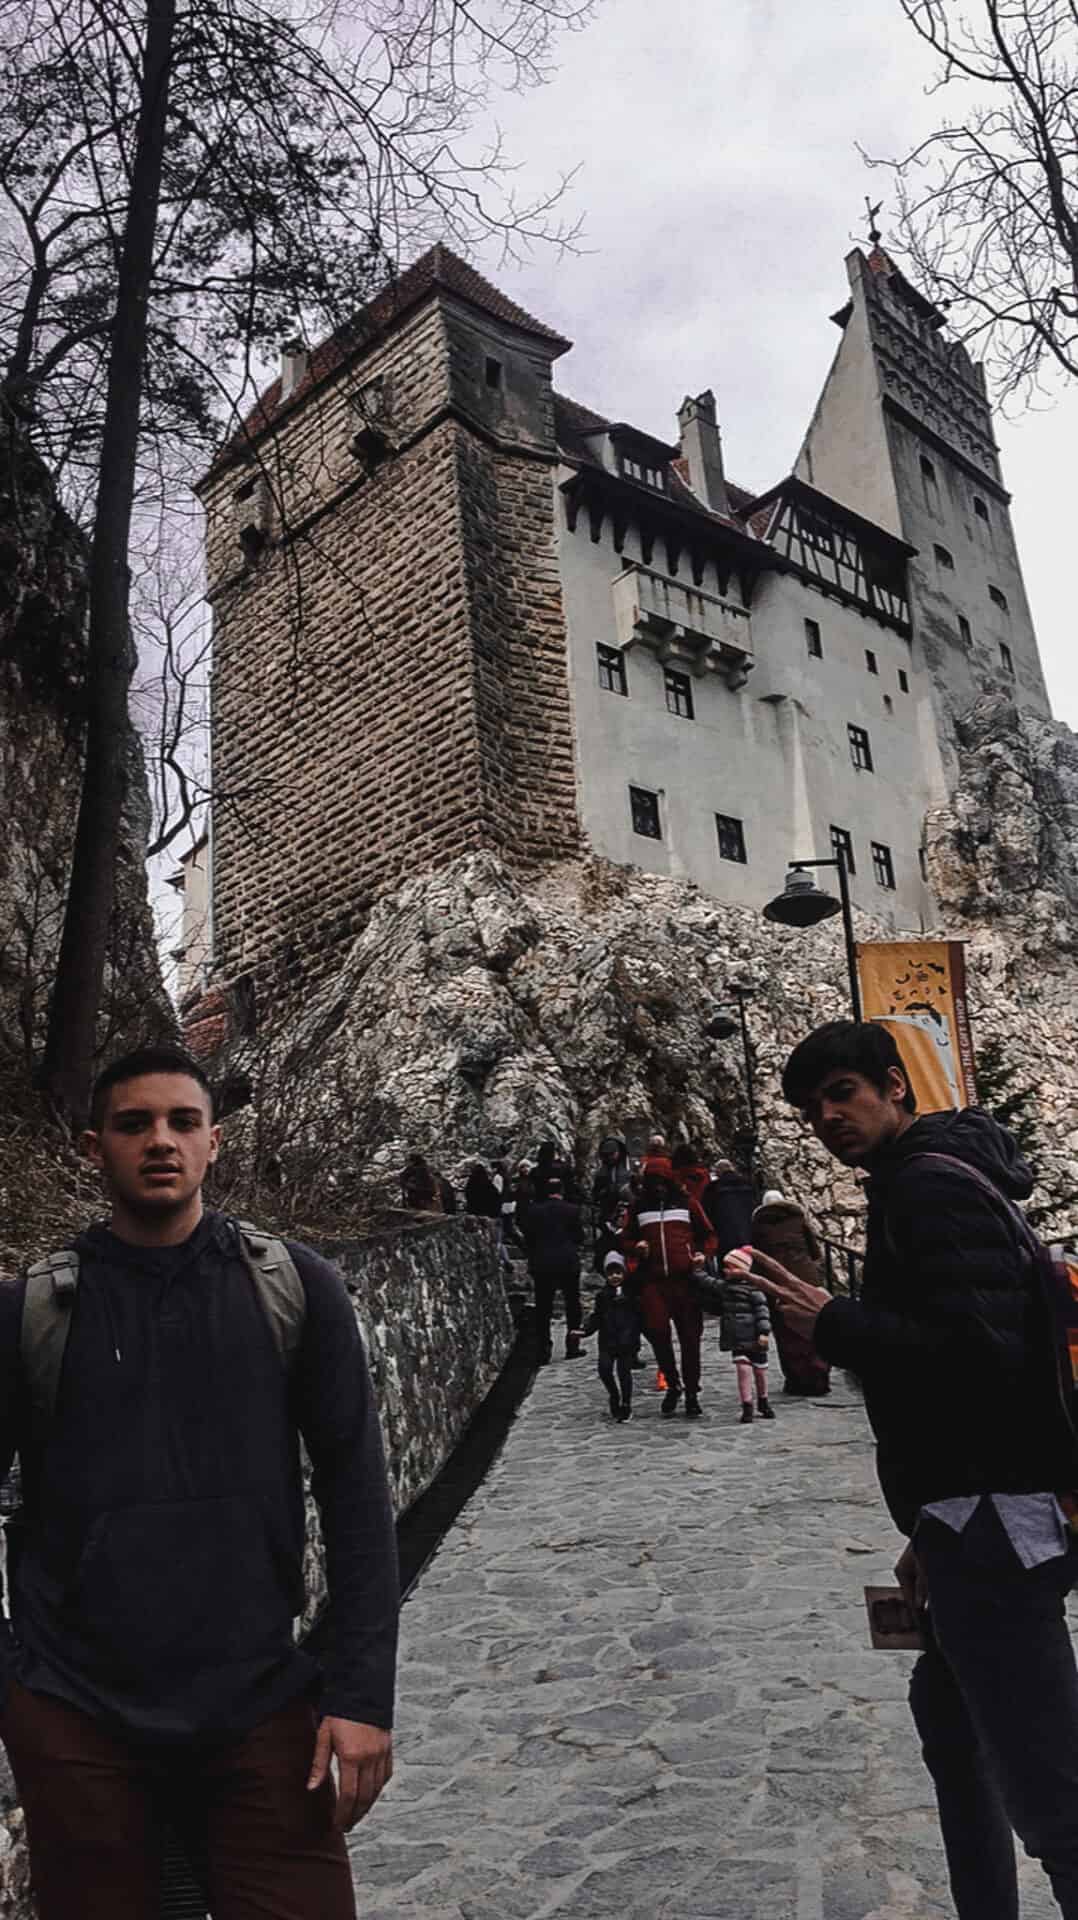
493 372
645 812
860 748
944 559
964 632
678 694
612 674
870 661
1006 658
883 866
999 599
903 680
731 834
842 845
813 639
980 508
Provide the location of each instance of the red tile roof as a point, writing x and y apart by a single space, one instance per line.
438 269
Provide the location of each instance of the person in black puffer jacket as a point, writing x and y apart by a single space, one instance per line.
974 1449
615 1317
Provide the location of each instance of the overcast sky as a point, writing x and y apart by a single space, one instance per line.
721 186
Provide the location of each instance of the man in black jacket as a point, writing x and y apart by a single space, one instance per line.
150 1662
553 1231
973 1452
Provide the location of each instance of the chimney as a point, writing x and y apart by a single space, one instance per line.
294 361
701 448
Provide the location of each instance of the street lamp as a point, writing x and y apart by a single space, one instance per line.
722 1026
803 904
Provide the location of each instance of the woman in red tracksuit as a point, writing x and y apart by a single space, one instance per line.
672 1235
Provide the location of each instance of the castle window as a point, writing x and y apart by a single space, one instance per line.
731 834
980 508
860 749
634 469
903 680
883 866
929 483
493 372
964 633
944 559
815 532
612 675
1006 660
842 847
922 857
247 490
813 640
645 812
870 661
678 694
998 599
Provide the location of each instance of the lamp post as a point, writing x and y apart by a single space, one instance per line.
722 1026
803 904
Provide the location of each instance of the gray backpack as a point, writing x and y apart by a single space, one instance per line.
52 1284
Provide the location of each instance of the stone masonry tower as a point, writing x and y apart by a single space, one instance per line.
390 685
903 434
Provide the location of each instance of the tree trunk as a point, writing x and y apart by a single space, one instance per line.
69 1046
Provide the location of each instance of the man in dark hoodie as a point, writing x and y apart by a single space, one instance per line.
973 1455
150 1664
553 1231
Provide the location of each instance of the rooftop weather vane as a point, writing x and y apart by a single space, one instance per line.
873 212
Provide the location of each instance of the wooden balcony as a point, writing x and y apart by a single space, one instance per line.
682 625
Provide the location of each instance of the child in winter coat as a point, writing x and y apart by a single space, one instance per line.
746 1328
615 1317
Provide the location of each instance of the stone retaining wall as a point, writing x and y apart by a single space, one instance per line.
437 1328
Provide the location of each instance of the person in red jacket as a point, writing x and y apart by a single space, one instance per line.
671 1234
657 1157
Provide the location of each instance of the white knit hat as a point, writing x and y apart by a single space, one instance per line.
773 1198
613 1260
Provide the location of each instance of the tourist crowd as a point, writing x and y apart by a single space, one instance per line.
667 1233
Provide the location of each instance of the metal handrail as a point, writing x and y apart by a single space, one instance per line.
843 1268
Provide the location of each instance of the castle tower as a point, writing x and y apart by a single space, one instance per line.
903 434
385 696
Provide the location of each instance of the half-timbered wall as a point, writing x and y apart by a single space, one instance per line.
772 753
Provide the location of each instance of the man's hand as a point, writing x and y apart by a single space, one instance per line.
910 1576
364 1758
698 1260
642 1248
801 1303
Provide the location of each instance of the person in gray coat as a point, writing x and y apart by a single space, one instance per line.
745 1332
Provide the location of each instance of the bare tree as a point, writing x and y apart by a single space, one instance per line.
989 201
188 182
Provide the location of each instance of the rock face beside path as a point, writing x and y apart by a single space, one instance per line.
479 1013
636 1681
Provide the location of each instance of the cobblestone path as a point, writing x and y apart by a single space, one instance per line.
635 1681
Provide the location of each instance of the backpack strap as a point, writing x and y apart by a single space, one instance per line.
51 1288
278 1286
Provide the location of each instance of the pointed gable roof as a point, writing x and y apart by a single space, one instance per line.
439 269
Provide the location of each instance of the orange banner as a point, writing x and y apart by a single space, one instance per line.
917 988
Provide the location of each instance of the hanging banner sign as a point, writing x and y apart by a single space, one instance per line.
917 988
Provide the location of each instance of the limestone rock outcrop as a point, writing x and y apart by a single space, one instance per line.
479 1013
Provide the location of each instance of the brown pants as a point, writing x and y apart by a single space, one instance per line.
93 1805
